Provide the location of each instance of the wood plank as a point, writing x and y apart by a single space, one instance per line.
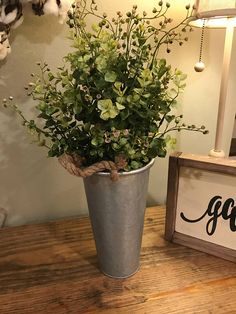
205 246
172 195
52 268
221 165
209 159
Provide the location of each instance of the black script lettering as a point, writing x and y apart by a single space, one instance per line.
214 211
232 216
233 220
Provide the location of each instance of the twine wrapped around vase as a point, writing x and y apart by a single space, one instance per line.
73 164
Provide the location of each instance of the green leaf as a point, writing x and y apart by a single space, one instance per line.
110 76
119 88
105 104
141 82
101 63
138 91
77 109
136 98
115 146
146 95
96 28
41 106
131 152
171 142
49 123
51 110
94 142
100 153
108 110
157 148
118 85
97 141
38 89
72 124
135 165
123 141
120 100
124 114
162 68
119 106
50 76
129 98
162 62
87 126
113 113
169 118
105 115
76 74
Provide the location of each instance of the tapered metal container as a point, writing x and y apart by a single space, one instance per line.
117 211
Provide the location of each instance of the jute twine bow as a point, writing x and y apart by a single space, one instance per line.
73 164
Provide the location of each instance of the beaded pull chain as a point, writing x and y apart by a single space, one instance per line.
200 66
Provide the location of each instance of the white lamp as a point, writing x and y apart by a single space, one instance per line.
218 14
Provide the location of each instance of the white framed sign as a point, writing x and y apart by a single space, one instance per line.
201 204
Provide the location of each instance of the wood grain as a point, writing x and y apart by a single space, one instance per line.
204 246
221 165
172 195
52 268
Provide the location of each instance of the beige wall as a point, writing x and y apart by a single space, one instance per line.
35 188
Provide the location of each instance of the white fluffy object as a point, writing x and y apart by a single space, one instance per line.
5 48
18 22
51 7
63 10
10 17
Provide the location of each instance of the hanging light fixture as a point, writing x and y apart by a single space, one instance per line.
217 14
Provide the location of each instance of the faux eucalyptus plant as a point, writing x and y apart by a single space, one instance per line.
113 95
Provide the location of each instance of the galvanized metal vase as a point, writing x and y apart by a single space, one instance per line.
117 211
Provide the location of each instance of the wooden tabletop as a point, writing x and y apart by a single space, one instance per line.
52 268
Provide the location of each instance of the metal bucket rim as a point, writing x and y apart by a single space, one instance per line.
128 173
